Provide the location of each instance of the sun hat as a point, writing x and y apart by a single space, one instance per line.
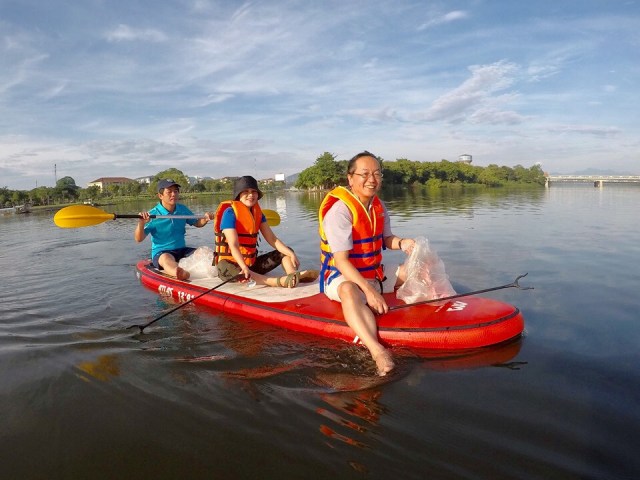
245 183
166 183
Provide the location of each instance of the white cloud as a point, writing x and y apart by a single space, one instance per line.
54 91
491 116
214 86
449 17
201 6
591 130
125 33
538 73
474 96
215 98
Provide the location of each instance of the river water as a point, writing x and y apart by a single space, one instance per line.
202 395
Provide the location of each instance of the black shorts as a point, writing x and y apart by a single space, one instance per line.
177 254
264 264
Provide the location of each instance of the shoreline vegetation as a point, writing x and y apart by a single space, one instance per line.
326 173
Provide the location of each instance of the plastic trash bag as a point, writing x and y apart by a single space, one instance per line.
199 263
426 276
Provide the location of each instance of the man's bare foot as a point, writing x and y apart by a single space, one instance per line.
384 362
308 276
182 274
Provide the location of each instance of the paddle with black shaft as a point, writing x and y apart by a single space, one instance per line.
77 216
513 284
142 327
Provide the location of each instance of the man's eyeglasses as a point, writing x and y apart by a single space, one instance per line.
365 176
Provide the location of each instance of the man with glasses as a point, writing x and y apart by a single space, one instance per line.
354 229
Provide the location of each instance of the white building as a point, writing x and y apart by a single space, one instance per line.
145 180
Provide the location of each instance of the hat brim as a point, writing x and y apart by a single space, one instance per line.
160 188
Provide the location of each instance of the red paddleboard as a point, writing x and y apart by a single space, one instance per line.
457 324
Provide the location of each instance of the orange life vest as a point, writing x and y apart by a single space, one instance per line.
367 229
247 225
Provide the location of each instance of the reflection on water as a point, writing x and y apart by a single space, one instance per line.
281 206
202 395
102 368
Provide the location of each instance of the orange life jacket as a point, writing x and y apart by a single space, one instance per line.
247 225
367 228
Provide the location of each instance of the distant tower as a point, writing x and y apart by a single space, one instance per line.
465 158
55 173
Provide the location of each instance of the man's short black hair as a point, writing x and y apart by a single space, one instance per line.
354 159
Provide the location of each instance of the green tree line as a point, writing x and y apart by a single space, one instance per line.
66 190
328 172
325 173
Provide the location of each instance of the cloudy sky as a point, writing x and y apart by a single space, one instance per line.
218 88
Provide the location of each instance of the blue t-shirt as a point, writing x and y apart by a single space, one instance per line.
168 233
228 219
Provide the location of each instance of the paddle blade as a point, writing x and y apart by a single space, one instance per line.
273 218
77 216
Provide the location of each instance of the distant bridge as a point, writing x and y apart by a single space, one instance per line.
597 180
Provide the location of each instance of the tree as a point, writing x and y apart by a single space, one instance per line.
489 177
175 175
90 193
132 188
42 195
494 173
112 190
5 195
325 173
537 174
66 188
327 167
199 187
401 172
448 172
520 173
217 186
18 197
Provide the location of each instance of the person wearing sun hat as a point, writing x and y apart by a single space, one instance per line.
168 243
237 224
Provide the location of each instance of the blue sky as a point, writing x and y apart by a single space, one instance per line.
223 88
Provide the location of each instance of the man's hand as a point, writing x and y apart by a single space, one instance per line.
376 301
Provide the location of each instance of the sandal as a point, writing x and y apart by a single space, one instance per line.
290 281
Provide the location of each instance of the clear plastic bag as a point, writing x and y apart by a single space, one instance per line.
199 263
426 276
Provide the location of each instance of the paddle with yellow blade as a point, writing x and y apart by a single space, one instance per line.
77 216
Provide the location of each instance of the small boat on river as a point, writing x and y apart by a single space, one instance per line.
464 322
24 208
